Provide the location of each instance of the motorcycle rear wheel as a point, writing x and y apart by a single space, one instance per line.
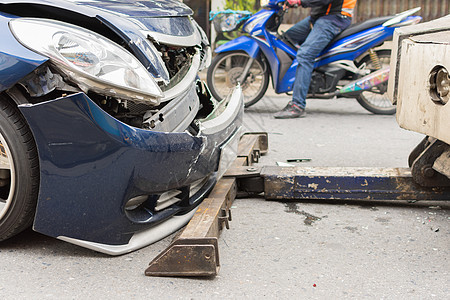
225 70
376 103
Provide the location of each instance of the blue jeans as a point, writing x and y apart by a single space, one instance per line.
312 42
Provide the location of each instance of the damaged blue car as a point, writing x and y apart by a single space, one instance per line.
108 138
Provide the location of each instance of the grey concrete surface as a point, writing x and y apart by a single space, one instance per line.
275 250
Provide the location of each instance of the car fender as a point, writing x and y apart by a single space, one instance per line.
16 61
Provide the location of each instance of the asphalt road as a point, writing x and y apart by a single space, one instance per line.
275 250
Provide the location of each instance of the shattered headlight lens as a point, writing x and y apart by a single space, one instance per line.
89 59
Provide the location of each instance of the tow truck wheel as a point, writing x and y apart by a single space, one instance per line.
418 150
19 171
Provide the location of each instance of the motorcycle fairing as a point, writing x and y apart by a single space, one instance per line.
348 48
242 43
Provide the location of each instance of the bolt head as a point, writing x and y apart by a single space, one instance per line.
428 171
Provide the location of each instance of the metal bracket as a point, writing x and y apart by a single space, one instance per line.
422 168
187 257
226 216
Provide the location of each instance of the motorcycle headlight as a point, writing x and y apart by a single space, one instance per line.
88 59
250 25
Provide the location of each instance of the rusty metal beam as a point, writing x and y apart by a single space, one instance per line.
296 183
195 251
325 183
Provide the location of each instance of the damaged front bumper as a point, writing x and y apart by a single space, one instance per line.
114 188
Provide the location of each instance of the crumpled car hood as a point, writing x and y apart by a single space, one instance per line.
149 29
128 8
142 8
132 20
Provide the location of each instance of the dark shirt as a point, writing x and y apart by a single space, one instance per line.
337 11
312 3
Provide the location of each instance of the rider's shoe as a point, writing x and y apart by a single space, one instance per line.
292 110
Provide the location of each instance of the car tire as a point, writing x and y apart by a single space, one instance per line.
19 171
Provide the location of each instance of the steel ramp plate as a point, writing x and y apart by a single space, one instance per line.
300 183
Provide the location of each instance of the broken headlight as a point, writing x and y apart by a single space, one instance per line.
90 60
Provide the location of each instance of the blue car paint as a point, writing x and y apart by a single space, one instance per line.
92 164
16 61
107 12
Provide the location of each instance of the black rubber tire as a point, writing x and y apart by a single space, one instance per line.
418 150
248 100
19 214
364 101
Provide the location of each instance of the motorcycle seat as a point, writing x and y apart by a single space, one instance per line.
354 28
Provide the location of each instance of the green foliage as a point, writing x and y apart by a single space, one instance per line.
249 5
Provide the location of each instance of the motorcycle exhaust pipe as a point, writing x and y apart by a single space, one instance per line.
377 79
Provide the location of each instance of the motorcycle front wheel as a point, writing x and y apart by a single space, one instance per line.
374 102
225 71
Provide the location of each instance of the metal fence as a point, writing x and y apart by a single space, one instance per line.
366 9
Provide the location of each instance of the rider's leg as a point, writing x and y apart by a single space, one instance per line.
298 33
319 37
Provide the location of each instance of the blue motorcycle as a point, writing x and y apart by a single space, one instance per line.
353 65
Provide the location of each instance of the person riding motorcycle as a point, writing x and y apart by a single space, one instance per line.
328 18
